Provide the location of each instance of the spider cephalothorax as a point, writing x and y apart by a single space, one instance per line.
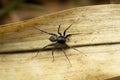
59 41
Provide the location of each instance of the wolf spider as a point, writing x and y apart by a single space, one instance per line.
59 41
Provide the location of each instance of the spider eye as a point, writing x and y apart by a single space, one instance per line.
53 38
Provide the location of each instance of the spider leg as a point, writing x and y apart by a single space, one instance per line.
53 53
75 49
64 33
77 34
37 53
52 44
44 31
72 48
68 35
59 30
44 48
66 56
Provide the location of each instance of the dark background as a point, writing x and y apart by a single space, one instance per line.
17 10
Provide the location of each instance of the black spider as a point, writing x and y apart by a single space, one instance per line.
59 41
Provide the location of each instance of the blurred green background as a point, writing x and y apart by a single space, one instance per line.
17 10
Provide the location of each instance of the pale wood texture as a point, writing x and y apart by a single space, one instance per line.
98 43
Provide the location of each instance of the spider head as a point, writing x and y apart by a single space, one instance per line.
61 39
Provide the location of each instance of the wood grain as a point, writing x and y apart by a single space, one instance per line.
98 42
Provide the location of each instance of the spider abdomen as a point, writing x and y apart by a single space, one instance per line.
53 38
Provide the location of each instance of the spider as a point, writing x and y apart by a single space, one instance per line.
59 41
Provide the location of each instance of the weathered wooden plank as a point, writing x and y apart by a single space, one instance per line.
95 63
102 22
98 59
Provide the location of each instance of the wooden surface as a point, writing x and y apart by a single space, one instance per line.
99 44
